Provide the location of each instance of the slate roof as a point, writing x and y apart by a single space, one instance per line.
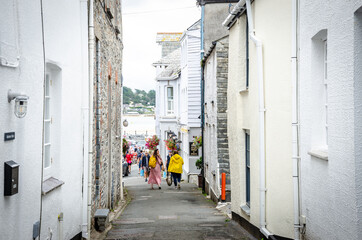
173 68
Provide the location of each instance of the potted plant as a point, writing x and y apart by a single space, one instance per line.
200 165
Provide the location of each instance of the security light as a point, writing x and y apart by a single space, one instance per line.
21 103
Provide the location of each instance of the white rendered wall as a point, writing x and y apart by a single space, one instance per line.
20 211
63 46
273 28
210 139
331 190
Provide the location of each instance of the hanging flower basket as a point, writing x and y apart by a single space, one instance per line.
172 145
198 142
152 143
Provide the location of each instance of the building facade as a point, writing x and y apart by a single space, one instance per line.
330 118
260 117
167 97
190 97
216 150
167 109
44 56
107 104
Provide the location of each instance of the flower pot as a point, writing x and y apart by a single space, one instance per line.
201 180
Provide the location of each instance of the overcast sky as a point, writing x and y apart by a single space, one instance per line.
142 19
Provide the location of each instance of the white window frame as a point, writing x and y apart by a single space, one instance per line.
47 123
170 100
325 76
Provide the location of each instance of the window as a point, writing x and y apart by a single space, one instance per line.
170 102
47 122
325 91
247 52
319 95
247 167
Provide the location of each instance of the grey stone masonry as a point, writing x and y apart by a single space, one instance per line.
222 49
106 167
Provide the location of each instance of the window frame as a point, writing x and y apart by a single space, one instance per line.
47 123
247 168
168 101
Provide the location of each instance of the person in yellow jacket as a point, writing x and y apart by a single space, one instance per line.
175 168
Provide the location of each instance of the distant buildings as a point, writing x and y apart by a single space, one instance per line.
168 70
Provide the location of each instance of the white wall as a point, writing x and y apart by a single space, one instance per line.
63 46
331 190
20 211
274 30
210 134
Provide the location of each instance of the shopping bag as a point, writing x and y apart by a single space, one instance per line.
142 173
164 174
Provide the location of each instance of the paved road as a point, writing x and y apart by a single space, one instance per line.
171 214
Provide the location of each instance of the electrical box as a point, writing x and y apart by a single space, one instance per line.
11 178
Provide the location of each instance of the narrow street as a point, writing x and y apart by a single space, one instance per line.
171 214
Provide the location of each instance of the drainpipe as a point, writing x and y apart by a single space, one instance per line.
90 102
85 113
259 49
202 95
295 121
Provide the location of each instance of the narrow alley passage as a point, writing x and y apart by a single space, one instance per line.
171 214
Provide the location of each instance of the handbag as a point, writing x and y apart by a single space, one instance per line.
168 179
164 174
142 173
163 167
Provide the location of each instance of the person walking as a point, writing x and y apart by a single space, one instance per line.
155 171
139 161
175 167
129 161
145 160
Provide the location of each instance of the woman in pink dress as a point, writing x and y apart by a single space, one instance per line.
155 173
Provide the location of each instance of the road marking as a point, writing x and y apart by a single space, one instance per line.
173 217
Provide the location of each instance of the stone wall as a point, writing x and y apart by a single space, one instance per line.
106 169
222 48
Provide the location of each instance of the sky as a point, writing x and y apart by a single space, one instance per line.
142 19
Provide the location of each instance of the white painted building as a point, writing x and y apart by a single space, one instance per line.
190 96
167 97
260 117
330 118
50 147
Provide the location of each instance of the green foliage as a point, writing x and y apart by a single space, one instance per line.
139 96
199 164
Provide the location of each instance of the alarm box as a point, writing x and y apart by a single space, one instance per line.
11 178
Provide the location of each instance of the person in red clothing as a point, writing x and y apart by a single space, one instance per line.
129 161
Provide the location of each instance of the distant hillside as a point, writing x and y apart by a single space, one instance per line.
139 96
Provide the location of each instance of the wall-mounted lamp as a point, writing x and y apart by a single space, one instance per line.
21 103
125 123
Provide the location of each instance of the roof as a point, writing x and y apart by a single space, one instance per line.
168 36
173 69
170 58
195 26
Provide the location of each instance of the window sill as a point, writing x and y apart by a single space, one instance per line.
50 184
245 209
321 153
